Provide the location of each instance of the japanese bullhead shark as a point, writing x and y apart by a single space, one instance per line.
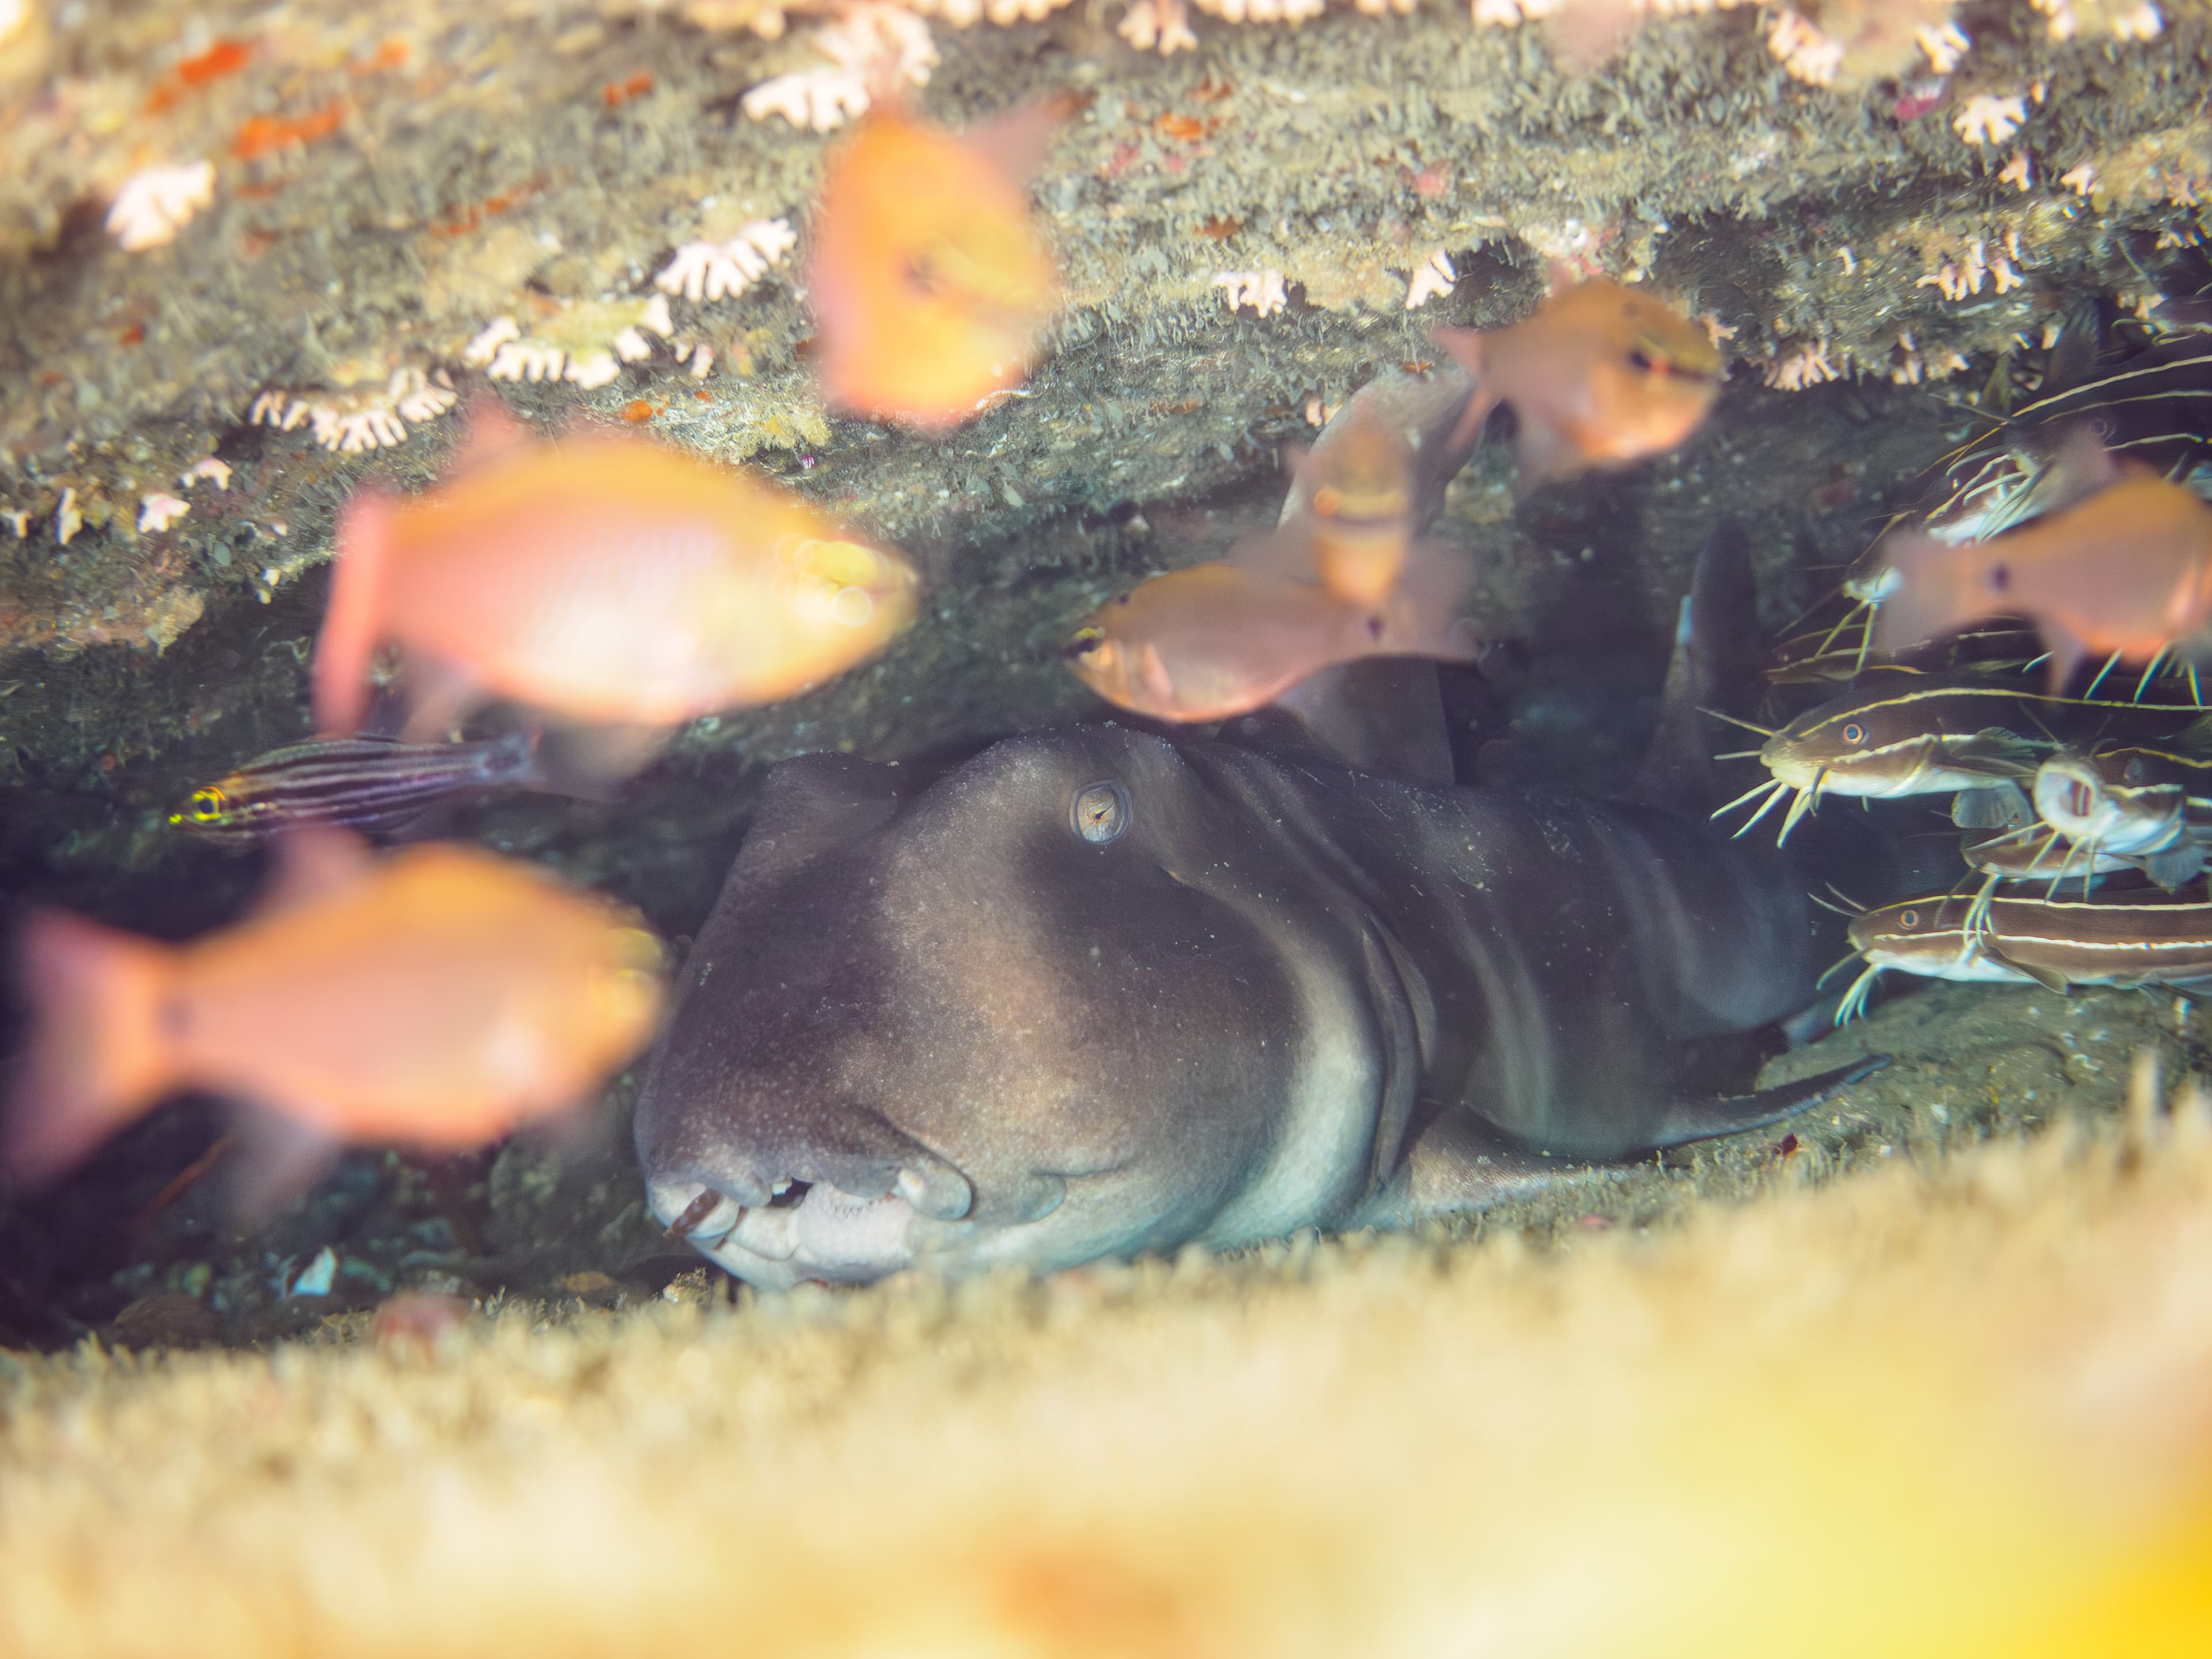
1096 993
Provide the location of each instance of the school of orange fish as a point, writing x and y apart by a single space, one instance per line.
612 587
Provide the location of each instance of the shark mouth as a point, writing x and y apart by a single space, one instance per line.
807 1229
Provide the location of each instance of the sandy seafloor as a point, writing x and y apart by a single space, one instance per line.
1924 1371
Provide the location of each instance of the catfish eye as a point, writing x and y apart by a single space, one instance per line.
1101 812
1908 919
1855 733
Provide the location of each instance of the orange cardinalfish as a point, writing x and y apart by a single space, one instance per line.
1353 529
604 578
1214 641
438 997
2122 570
930 284
1601 376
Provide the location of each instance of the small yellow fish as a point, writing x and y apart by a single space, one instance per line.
930 284
438 997
1599 376
1214 641
604 578
2124 570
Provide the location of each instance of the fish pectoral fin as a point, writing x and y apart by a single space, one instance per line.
280 1157
2175 865
2048 978
314 860
1728 1114
1999 805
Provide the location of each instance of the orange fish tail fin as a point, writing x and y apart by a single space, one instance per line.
1464 347
98 1056
350 623
1930 590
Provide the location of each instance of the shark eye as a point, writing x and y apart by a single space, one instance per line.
1855 733
1101 812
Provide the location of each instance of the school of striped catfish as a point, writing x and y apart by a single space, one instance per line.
2023 651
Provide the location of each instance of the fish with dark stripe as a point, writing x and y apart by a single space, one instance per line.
375 784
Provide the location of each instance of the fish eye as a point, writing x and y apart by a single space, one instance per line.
206 804
1854 732
1087 640
1908 919
1101 812
1641 361
2000 577
1329 501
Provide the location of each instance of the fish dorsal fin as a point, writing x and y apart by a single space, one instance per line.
813 802
1016 141
1711 668
492 433
313 861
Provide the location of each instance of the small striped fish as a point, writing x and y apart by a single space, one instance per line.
375 784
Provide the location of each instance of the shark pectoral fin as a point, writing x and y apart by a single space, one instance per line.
1458 1165
1728 1114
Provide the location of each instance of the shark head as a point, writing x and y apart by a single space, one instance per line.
1036 1012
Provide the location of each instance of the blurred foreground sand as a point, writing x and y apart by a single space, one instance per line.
1963 1410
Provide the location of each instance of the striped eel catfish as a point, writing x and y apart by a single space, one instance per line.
375 785
2136 939
1904 733
2152 406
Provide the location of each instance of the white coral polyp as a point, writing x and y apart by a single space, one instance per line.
1262 290
874 45
159 511
155 204
1435 277
527 360
1988 120
706 271
362 423
1162 23
1805 54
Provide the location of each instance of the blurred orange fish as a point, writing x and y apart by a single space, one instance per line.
1351 530
604 578
1214 641
1599 376
929 283
438 997
2123 571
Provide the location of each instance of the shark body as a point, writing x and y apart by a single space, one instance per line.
1096 993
